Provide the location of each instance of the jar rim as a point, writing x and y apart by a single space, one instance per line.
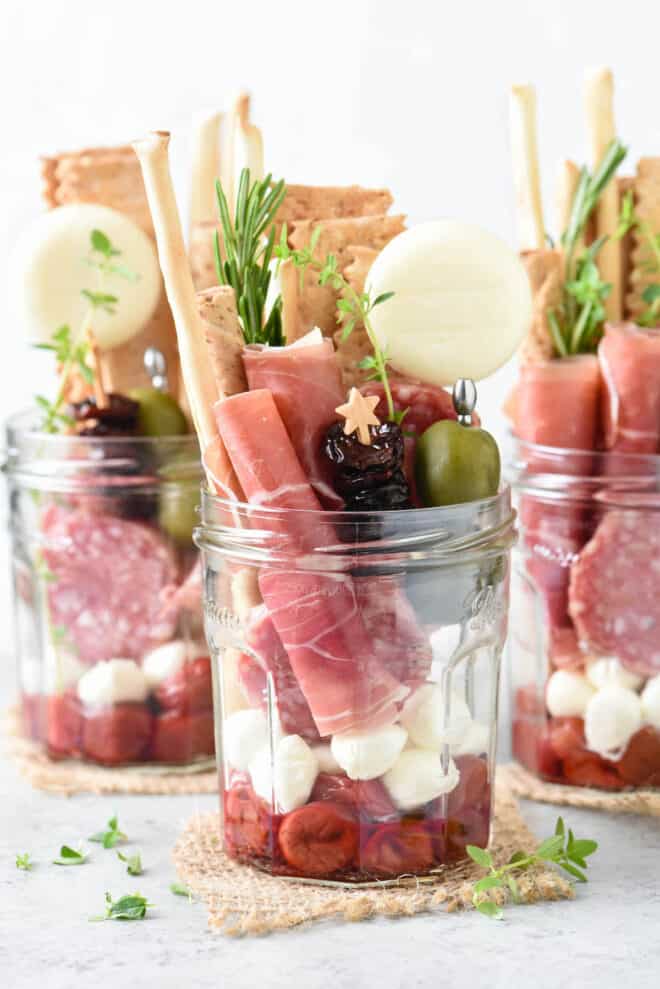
21 427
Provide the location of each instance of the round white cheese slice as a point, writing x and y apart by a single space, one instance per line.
461 305
49 270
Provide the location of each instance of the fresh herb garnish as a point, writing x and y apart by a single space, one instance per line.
70 856
577 324
179 889
133 863
111 836
24 862
562 849
131 907
629 220
353 308
248 242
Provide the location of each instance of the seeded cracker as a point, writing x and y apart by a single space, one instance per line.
351 351
224 338
544 268
647 205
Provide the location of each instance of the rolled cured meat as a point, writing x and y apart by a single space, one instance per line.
630 363
305 381
316 615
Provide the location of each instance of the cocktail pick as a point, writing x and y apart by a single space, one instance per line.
155 365
464 395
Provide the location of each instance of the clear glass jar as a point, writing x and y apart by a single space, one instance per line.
357 658
112 663
585 625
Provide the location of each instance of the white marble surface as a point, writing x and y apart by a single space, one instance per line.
607 936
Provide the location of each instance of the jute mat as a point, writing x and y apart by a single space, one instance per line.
524 784
70 776
241 900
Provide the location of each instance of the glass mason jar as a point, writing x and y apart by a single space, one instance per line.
585 626
357 658
112 662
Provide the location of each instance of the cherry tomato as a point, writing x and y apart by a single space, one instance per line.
567 736
318 839
473 789
181 737
531 746
188 690
397 849
112 735
589 769
247 821
363 798
471 828
640 763
64 724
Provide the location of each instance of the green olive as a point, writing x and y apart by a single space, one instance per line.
159 413
177 512
455 464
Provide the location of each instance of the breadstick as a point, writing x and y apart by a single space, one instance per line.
205 170
567 183
289 289
197 372
526 167
248 142
599 93
224 338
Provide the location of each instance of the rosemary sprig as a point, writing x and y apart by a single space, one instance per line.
629 220
248 243
562 849
353 308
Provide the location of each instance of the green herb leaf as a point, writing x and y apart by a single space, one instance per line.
101 243
131 907
489 909
480 856
70 856
549 848
100 300
24 862
383 297
488 882
111 836
133 863
179 889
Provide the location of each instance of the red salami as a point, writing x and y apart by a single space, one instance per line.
108 576
614 596
426 404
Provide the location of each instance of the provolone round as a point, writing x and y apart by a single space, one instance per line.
50 269
461 306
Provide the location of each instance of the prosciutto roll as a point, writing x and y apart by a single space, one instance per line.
305 381
630 362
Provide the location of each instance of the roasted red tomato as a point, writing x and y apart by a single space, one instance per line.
188 690
471 828
398 849
531 746
583 768
248 823
528 701
566 736
64 724
363 798
318 839
121 733
473 789
32 714
182 737
640 763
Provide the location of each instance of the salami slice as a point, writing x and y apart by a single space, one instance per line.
614 595
426 404
108 575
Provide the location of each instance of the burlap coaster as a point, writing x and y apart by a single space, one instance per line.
241 900
524 784
70 776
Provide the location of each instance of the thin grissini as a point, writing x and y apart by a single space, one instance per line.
526 174
599 105
289 285
568 178
205 169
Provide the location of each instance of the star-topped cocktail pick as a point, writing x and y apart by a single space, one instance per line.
359 414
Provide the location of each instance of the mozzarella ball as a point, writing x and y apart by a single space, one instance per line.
651 702
423 714
326 760
163 661
365 755
113 681
612 717
462 301
475 742
417 777
608 669
243 735
567 694
288 778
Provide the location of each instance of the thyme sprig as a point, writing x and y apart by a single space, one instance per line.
563 849
248 241
353 308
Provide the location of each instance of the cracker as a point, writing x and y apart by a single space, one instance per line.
332 202
224 338
351 351
544 268
647 205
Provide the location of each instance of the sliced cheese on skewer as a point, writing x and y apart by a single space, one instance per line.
526 167
50 270
599 102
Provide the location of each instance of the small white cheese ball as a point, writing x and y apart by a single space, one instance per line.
423 713
417 777
243 735
326 760
651 702
475 742
365 755
608 669
612 717
163 661
567 694
289 778
113 681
